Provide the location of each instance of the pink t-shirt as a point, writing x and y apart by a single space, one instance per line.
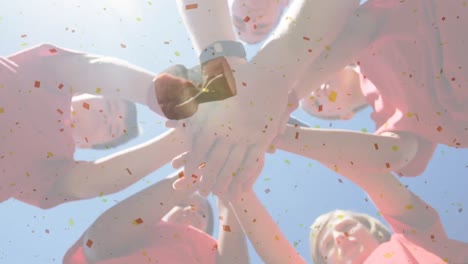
171 243
35 132
420 74
419 237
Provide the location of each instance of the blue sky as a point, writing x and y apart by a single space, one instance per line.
299 189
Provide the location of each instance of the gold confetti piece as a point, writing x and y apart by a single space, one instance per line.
226 228
138 221
89 243
332 96
364 130
71 222
395 148
138 19
276 237
2 110
50 154
177 53
191 6
409 207
388 255
98 90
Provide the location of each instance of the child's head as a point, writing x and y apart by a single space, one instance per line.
196 211
340 98
254 20
100 122
345 237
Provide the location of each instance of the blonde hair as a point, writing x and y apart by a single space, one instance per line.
377 228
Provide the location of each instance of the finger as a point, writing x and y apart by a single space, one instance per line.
252 167
180 160
257 170
230 170
198 154
214 165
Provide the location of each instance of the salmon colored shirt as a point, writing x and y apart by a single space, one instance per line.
419 72
419 237
36 89
170 243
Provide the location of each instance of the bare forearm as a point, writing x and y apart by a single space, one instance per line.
207 21
120 170
80 72
232 245
264 234
309 28
345 150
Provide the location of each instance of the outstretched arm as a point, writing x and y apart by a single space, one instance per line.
77 72
347 151
115 172
268 240
232 245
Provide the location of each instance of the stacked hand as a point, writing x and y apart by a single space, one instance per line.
230 137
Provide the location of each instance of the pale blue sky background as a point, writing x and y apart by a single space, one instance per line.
300 189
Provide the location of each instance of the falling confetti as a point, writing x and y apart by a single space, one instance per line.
123 45
71 222
86 106
37 84
226 228
138 221
246 19
191 6
89 243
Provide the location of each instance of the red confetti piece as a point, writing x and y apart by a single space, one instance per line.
215 246
47 231
443 18
59 111
244 84
60 86
226 228
246 19
453 79
89 243
24 35
255 26
254 220
37 84
191 6
320 108
376 146
309 50
181 174
194 176
340 180
138 221
52 50
439 128
387 165
129 172
306 38
123 45
86 106
202 165
297 135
